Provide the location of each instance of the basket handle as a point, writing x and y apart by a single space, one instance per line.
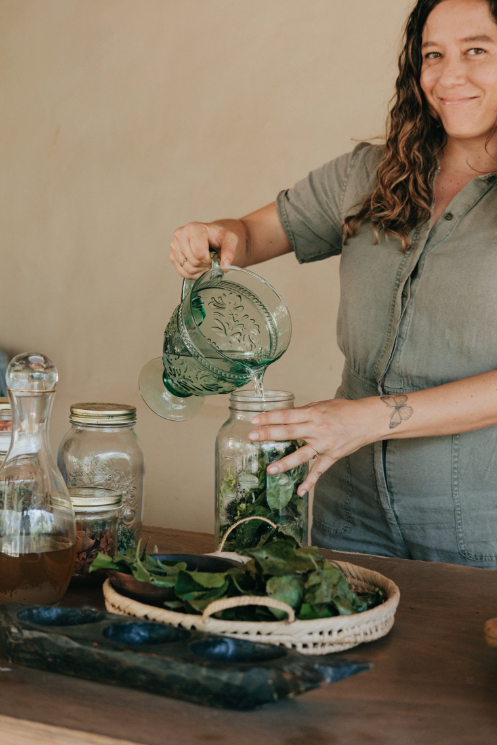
218 605
239 522
223 604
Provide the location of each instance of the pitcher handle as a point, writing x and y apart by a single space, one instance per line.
188 283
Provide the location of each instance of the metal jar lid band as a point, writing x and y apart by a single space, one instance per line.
102 413
90 499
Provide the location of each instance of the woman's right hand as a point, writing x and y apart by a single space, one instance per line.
190 247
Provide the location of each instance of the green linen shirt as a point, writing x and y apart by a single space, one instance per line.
407 321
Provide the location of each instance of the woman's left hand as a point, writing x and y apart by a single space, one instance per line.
331 429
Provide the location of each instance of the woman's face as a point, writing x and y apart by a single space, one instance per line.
459 71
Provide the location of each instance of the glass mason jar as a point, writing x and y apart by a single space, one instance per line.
5 427
243 486
102 450
97 520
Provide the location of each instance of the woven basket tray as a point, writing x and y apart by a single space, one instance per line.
319 636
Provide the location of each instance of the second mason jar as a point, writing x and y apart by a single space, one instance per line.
96 512
243 486
102 450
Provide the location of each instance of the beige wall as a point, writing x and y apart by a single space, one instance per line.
123 119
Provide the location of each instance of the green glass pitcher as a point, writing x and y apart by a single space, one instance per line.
230 325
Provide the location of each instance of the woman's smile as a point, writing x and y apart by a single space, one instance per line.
457 101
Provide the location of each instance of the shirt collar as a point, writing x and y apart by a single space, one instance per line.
490 177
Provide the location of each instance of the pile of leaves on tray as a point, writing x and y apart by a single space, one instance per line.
312 585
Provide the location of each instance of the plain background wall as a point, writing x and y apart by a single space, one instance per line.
124 119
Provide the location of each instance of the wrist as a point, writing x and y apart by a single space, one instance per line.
397 410
378 419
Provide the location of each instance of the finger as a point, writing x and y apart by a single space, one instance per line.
198 245
191 243
300 456
175 253
320 466
225 242
228 250
183 267
281 432
284 416
178 253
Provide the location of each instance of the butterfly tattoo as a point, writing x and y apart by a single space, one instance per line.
401 410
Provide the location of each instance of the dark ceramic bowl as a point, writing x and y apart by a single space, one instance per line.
132 588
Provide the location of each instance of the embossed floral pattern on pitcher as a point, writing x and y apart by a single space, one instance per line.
231 325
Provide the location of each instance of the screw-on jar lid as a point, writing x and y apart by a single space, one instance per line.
91 499
95 413
4 403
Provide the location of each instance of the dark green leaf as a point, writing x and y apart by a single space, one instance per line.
172 568
371 600
344 607
322 586
208 579
139 571
289 589
244 582
292 528
312 552
280 557
196 600
162 581
309 612
102 561
193 584
279 490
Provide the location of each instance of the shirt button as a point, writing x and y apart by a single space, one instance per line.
449 216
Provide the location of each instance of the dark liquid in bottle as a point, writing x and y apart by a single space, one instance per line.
39 578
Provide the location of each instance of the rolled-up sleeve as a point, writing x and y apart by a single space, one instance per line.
311 213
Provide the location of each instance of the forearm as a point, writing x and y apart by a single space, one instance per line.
336 428
260 236
461 406
256 237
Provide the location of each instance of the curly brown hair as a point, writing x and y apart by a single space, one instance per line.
402 200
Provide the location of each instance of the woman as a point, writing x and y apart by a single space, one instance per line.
407 451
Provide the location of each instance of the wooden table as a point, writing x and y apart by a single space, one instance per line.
434 680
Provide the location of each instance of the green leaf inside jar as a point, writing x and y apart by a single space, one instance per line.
249 491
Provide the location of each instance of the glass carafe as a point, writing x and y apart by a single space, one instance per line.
230 325
37 528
